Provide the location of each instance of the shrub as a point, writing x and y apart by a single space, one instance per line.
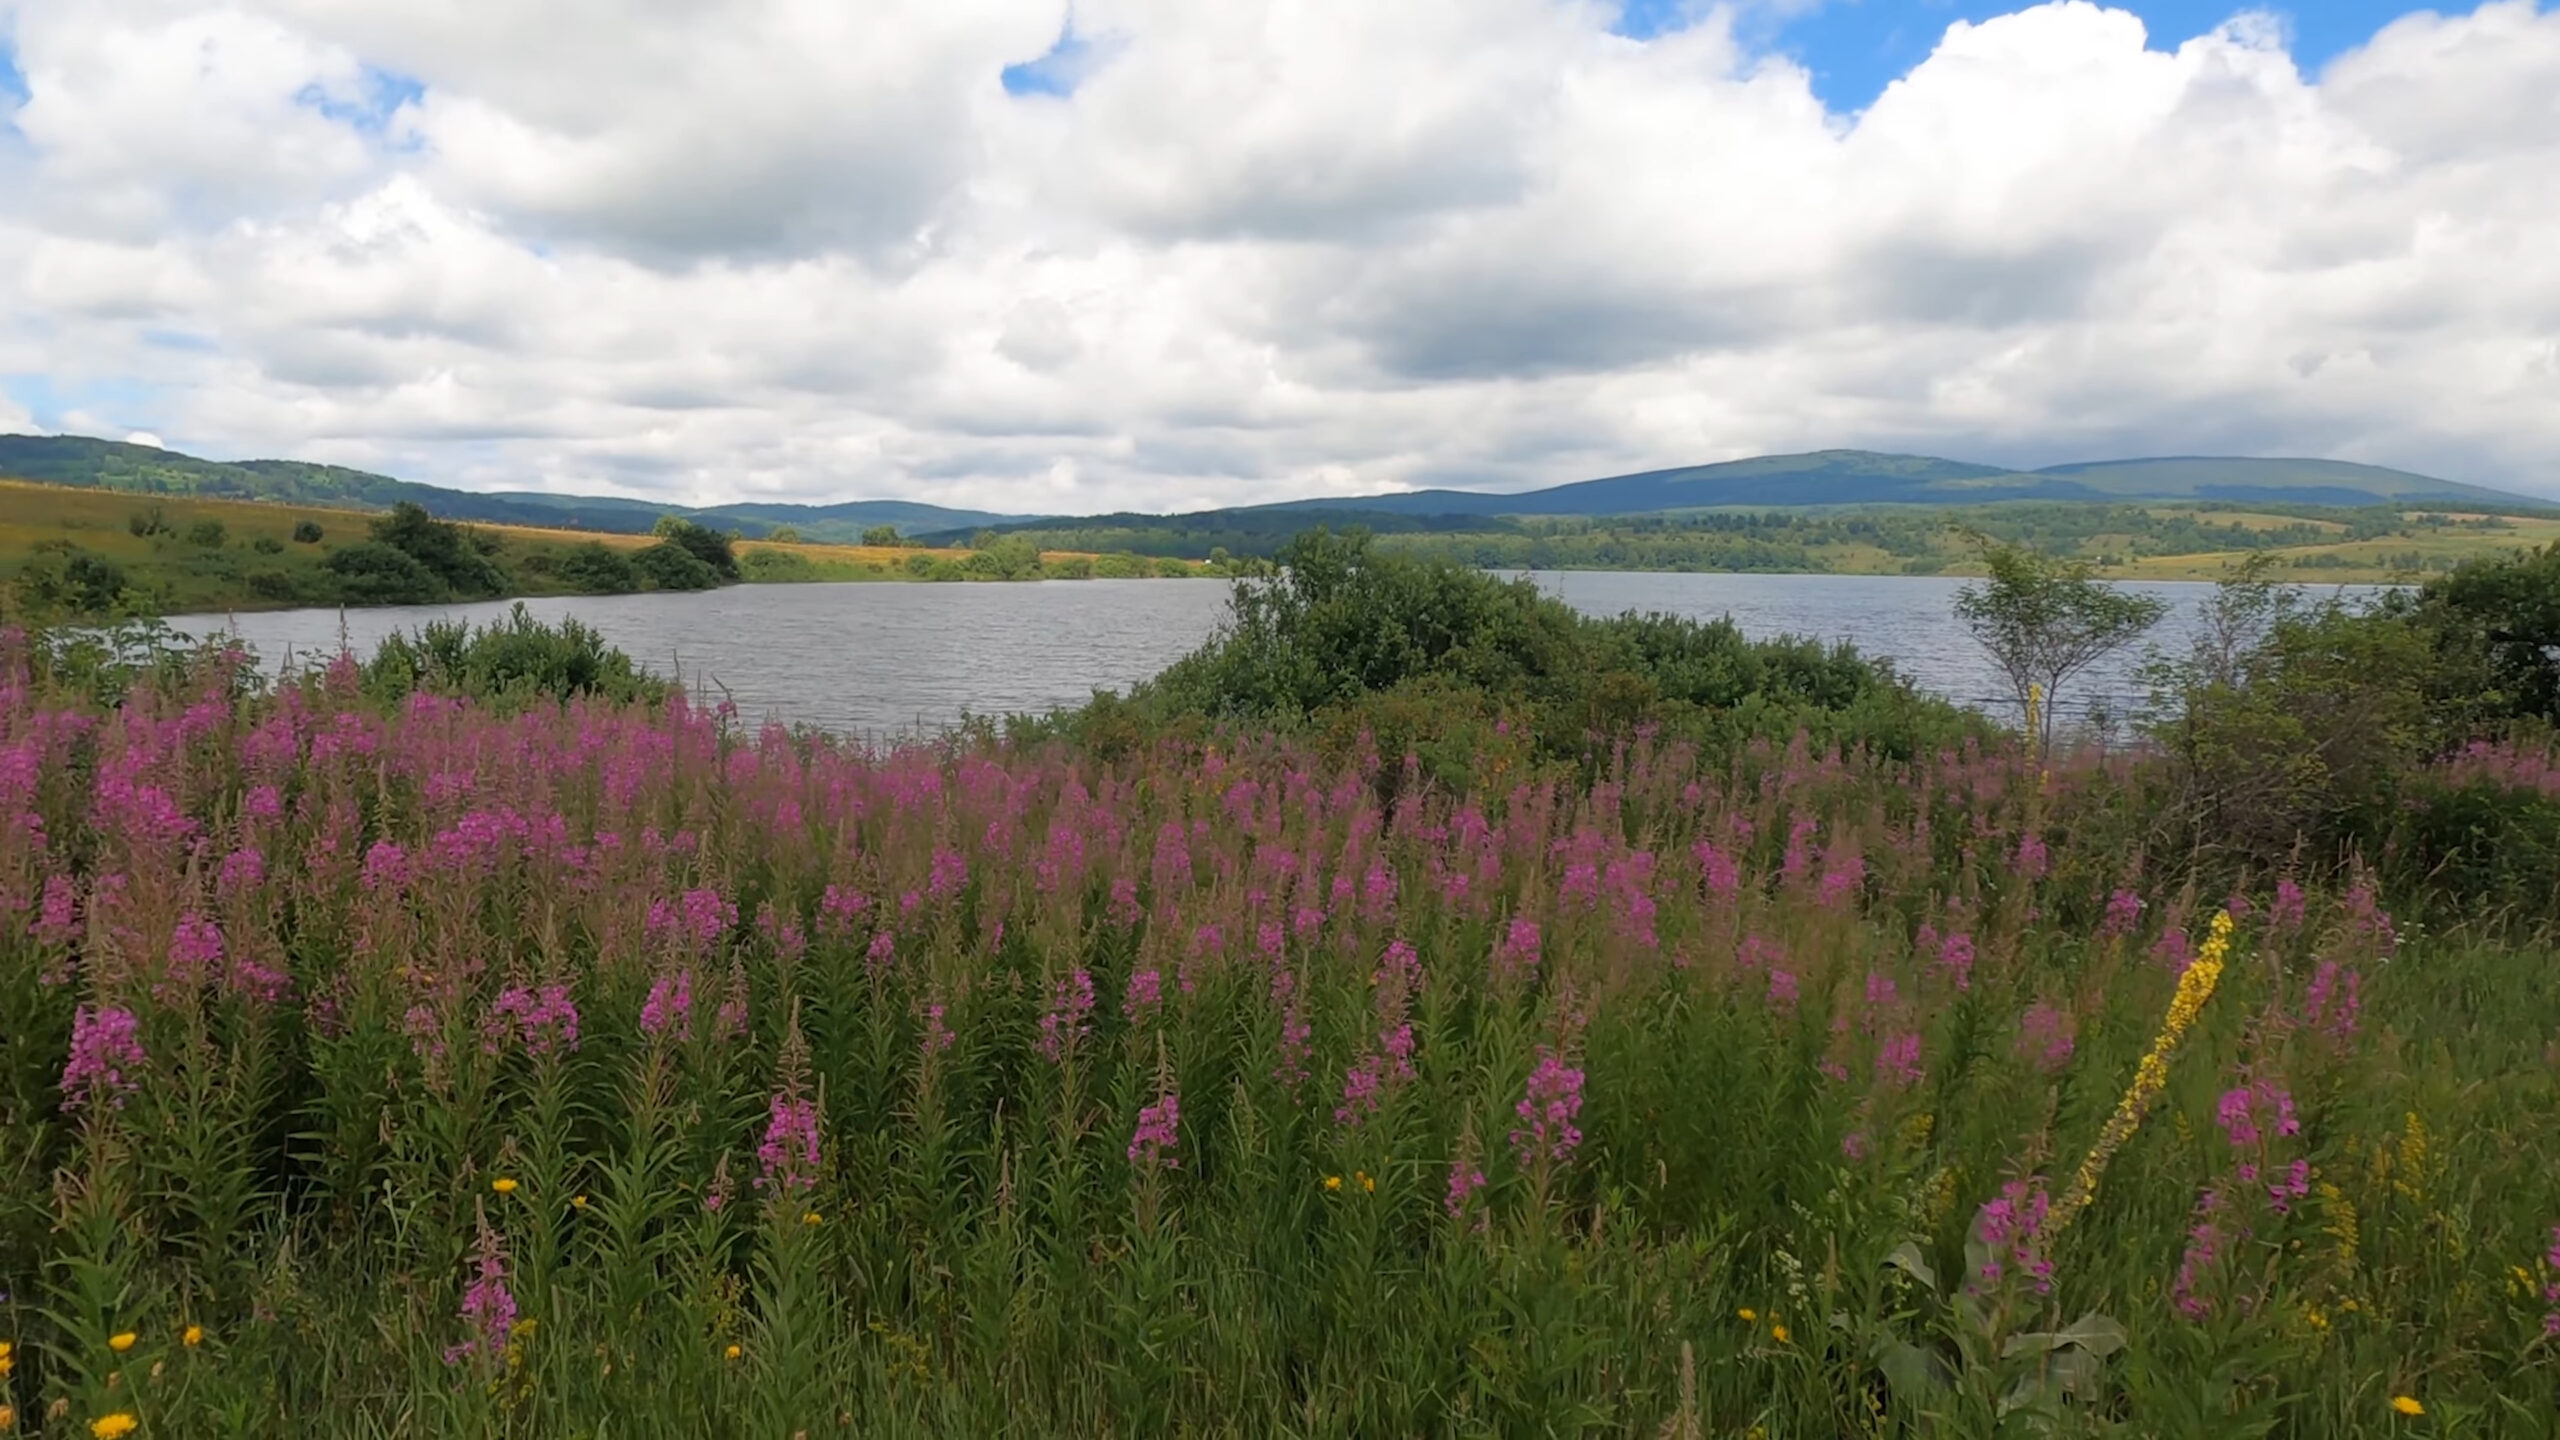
306 532
773 566
594 568
267 545
373 573
148 521
208 534
670 566
703 543
784 535
514 662
882 535
459 561
62 579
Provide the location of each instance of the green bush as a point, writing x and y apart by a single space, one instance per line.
714 549
267 545
1343 622
208 534
148 521
670 566
2501 619
306 532
373 573
593 568
63 579
517 661
776 566
460 562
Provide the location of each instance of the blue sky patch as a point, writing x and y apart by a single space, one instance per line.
13 81
1854 48
379 95
1057 72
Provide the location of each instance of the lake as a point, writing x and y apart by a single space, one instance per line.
889 658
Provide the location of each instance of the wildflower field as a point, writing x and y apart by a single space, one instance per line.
611 1069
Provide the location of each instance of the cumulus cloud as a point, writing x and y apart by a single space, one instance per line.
1259 249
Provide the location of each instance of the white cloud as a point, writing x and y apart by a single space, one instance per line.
1267 248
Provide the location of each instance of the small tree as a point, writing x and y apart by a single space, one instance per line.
2046 619
881 535
785 535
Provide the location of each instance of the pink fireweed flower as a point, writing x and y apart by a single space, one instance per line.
488 1308
2204 1248
1158 1133
243 870
106 1043
1898 1060
2173 951
2551 1287
542 1020
1782 991
2045 1036
1296 1033
58 914
386 866
2031 857
1955 960
1717 871
669 1008
789 1154
1465 1179
425 1029
2332 1003
1068 1019
2010 1230
1515 959
2286 913
2124 913
949 876
1143 996
256 982
937 1036
1547 1109
195 950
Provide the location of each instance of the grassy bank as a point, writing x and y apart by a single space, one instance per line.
105 552
489 1042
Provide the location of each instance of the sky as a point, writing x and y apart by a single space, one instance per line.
1013 255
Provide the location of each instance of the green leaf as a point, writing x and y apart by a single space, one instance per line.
1906 1258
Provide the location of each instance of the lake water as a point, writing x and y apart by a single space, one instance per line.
881 659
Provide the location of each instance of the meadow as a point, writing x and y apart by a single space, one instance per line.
71 551
405 1063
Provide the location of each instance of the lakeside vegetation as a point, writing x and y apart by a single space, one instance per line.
1424 1010
2187 541
97 553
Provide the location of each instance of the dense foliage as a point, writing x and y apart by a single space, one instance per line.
1345 631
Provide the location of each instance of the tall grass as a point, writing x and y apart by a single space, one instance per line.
606 1069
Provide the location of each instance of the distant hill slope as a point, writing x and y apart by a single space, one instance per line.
1823 477
113 465
1866 477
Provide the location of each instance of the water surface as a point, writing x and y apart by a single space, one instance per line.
881 659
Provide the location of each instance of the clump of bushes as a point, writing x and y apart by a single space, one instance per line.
1342 623
512 662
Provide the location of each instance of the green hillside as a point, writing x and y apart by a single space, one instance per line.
113 465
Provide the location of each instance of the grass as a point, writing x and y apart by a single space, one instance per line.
172 572
607 1070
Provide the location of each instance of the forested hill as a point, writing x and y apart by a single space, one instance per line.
112 465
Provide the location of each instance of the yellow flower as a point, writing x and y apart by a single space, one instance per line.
1749 1316
2407 1405
1778 1333
504 1185
192 1336
577 1202
8 1417
112 1427
1367 1181
521 1328
121 1341
2195 987
732 1353
810 1218
1333 1182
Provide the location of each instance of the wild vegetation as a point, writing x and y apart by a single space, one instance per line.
69 553
2184 541
1673 1036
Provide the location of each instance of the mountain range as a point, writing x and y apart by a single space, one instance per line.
1821 478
